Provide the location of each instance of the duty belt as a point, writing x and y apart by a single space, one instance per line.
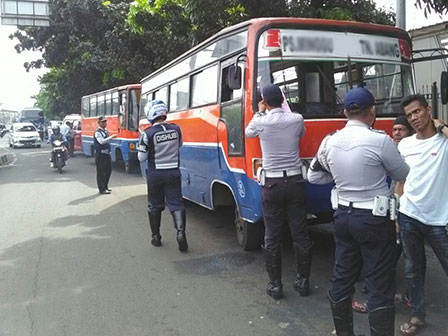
105 151
358 205
282 173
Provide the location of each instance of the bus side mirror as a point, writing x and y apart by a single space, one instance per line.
234 77
444 87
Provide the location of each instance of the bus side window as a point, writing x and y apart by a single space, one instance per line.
231 113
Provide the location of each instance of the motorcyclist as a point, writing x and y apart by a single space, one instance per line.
56 135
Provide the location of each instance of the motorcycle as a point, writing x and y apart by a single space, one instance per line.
58 153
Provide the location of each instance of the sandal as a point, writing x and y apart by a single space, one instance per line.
359 307
412 327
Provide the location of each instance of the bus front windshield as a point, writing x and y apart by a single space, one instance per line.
317 87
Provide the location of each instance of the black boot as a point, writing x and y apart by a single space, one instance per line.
342 316
154 223
273 263
179 224
382 321
303 259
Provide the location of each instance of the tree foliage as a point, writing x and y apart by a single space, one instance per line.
438 6
92 45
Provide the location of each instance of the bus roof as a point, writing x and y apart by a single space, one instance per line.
118 88
305 23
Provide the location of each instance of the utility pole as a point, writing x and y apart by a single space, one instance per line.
401 14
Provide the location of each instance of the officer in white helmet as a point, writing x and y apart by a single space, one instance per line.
160 145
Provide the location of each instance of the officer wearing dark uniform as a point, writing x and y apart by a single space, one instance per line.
160 145
101 143
283 188
359 159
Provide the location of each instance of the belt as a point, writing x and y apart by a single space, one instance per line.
282 173
358 205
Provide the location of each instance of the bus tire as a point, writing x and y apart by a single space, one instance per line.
249 235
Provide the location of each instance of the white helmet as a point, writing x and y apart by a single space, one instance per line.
155 109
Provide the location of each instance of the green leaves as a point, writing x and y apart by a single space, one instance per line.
93 45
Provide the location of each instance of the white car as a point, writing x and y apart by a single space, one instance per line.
23 135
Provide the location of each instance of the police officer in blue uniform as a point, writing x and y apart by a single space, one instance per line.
359 159
160 145
101 144
283 188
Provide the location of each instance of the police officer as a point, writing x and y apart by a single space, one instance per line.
101 143
359 159
160 145
283 190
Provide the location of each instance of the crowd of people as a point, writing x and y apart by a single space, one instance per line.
388 197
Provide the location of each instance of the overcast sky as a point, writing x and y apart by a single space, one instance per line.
17 86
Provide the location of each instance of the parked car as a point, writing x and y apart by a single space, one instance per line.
23 135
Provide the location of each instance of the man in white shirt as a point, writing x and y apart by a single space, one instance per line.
423 203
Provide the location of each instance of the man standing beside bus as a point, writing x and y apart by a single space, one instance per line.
101 143
283 188
159 145
423 204
359 159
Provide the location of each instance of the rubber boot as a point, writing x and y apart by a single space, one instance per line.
179 224
273 263
154 223
382 321
303 259
342 315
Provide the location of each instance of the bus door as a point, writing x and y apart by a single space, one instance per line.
122 99
230 125
132 116
231 138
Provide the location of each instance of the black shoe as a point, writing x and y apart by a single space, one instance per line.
156 240
179 219
303 260
382 321
105 192
108 189
154 222
342 315
273 263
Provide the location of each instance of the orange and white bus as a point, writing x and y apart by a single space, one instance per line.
212 92
120 106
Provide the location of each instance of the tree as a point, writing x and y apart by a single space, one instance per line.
92 45
439 6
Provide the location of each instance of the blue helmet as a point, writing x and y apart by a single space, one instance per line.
155 109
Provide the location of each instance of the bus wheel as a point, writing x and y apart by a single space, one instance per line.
249 235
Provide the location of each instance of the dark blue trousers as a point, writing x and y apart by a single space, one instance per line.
103 171
364 239
283 201
164 187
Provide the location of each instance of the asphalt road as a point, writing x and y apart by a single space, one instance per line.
73 262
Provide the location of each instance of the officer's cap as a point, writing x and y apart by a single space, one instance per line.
272 91
100 119
358 98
